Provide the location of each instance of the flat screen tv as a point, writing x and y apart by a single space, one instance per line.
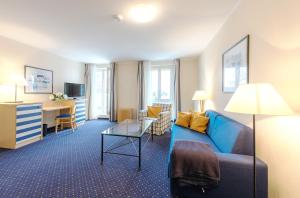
74 90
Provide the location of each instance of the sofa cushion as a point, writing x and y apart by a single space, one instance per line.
230 136
181 133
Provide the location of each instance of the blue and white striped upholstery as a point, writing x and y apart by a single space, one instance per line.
80 111
28 122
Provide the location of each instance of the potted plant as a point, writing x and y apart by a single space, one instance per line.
58 96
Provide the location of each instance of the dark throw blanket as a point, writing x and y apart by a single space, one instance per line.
195 163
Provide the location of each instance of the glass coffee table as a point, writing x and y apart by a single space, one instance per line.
131 130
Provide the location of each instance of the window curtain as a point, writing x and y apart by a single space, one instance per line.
113 93
141 86
147 84
177 95
87 81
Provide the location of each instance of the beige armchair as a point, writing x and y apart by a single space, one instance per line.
164 120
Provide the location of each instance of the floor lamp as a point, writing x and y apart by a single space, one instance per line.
257 99
201 96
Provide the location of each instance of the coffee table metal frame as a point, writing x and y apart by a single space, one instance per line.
119 143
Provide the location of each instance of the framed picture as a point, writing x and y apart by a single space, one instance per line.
236 66
39 81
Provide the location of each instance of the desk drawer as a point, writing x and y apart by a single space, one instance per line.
28 122
80 111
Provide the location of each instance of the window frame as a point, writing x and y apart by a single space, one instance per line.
105 68
159 68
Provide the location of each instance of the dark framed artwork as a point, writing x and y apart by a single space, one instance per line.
235 66
39 81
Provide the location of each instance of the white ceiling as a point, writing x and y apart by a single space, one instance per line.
84 30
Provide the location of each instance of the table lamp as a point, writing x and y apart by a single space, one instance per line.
257 99
17 81
200 95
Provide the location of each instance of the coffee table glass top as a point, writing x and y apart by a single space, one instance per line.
129 128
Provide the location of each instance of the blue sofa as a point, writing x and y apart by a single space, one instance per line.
232 143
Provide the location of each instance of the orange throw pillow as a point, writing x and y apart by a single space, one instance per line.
199 123
153 111
183 119
196 114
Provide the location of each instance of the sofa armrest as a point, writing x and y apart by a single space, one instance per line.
237 170
143 113
236 179
165 114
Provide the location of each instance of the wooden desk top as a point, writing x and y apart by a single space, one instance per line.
18 103
54 108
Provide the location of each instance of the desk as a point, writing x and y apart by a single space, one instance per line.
50 111
55 108
52 108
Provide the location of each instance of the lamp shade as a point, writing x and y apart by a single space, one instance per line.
258 99
17 80
200 95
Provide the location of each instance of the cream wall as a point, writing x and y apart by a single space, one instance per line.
274 29
13 57
188 82
127 83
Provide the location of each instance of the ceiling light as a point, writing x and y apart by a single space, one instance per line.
143 13
118 17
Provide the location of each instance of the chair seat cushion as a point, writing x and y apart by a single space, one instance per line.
63 116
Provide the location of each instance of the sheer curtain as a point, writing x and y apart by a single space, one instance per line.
100 90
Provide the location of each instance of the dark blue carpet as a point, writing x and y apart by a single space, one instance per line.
68 165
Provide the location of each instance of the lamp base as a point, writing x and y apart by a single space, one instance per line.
201 105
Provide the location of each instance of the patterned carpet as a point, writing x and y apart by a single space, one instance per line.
68 165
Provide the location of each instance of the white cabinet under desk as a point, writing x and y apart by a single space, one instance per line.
80 111
20 124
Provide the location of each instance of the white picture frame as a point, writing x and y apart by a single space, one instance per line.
39 81
235 66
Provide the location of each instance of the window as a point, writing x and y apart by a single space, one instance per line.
161 83
100 91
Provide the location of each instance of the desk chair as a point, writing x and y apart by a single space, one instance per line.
66 118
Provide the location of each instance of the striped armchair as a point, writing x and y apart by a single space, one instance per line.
164 120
